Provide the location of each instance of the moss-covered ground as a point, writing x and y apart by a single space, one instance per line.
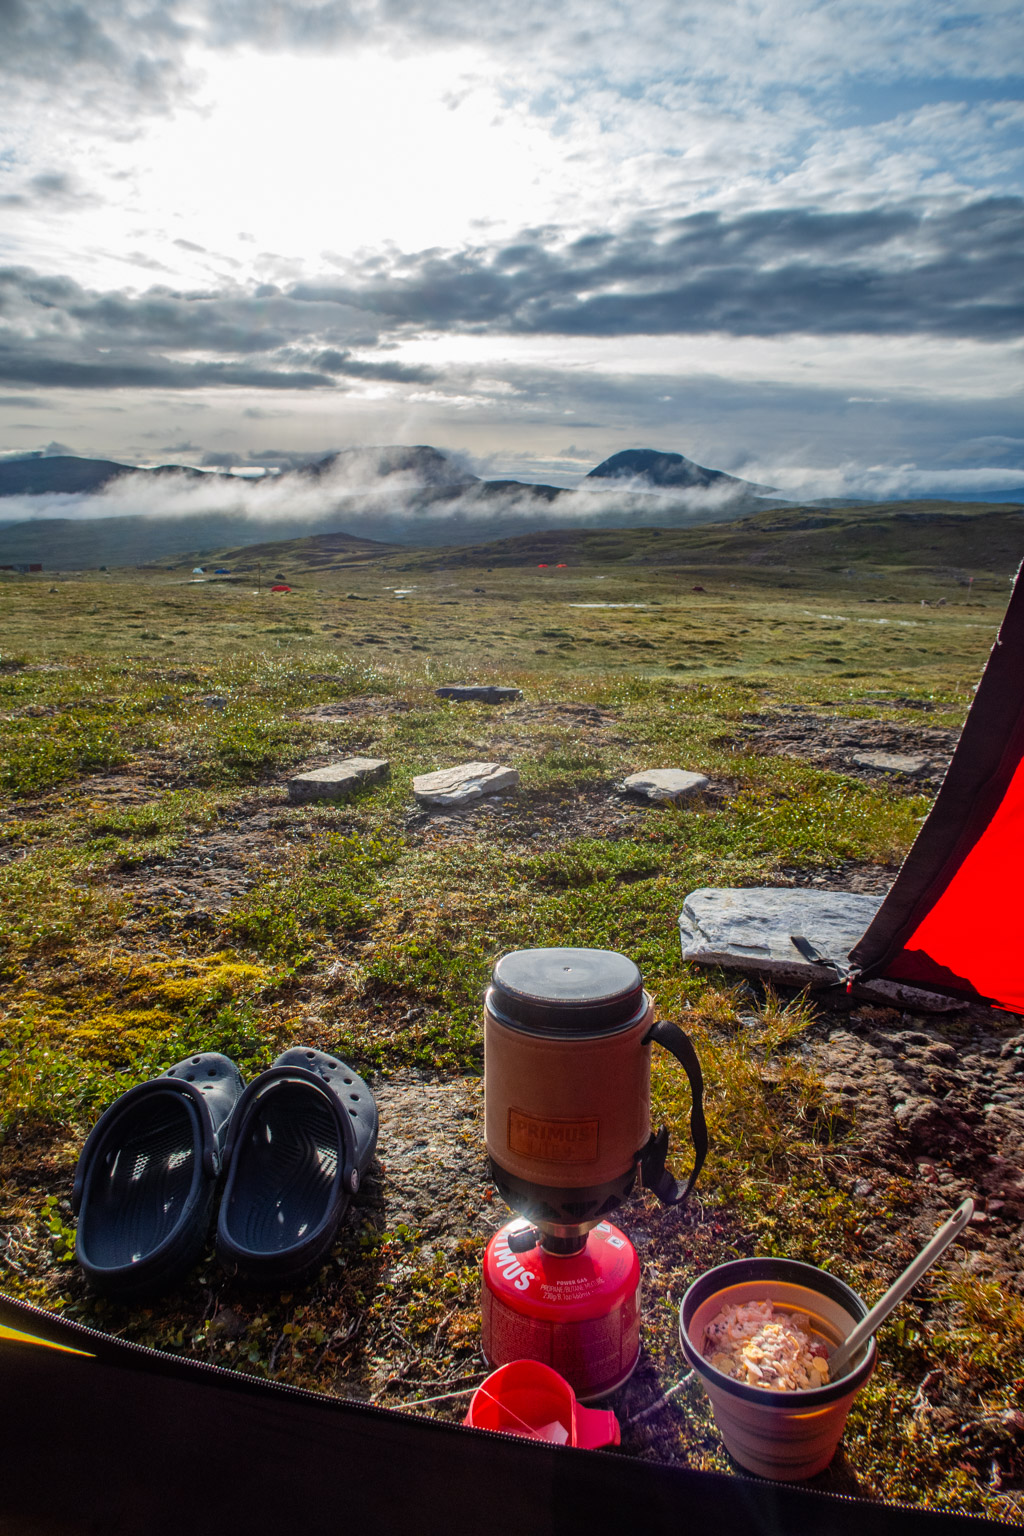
149 723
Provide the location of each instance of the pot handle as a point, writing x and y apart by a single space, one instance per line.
654 1175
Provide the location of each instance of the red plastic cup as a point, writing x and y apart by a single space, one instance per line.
530 1399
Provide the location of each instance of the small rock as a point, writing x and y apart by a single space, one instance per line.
462 693
863 1187
458 786
226 1325
338 780
665 784
215 701
891 762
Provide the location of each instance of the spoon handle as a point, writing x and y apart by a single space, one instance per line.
899 1288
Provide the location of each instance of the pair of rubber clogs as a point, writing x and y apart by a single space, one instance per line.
292 1147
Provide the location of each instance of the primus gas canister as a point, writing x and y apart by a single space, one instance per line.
567 1053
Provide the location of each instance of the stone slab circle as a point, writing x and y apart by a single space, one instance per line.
337 780
665 785
751 930
465 693
891 762
461 785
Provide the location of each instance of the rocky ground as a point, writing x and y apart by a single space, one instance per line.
913 758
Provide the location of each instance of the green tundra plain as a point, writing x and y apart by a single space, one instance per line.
150 714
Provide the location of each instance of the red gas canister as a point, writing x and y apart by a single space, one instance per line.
578 1313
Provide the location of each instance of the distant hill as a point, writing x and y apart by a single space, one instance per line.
428 466
57 475
670 471
65 475
865 542
85 544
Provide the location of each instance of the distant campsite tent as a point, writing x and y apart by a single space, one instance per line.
280 588
222 570
951 923
197 570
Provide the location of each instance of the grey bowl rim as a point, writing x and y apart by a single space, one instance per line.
795 1272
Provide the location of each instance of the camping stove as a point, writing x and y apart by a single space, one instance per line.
567 1037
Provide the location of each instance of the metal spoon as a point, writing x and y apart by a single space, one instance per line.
896 1292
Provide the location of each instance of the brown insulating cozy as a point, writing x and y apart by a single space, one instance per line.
569 1111
567 1037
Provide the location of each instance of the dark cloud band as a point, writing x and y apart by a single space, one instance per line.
952 271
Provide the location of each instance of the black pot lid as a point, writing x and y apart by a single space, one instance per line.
567 991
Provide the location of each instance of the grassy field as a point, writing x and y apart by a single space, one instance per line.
158 896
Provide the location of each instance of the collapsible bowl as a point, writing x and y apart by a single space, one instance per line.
784 1435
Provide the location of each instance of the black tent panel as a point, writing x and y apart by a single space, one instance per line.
102 1438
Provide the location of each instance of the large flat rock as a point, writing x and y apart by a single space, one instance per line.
478 693
337 780
666 785
461 785
753 930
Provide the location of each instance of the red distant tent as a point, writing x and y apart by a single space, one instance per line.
952 920
280 589
542 566
561 566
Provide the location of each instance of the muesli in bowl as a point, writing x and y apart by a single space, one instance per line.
758 1344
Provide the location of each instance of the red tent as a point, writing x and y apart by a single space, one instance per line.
952 920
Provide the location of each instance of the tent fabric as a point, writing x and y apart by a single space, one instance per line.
104 1438
952 918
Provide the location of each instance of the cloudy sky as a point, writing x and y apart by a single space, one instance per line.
782 237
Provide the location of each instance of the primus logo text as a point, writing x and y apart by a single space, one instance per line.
509 1265
552 1141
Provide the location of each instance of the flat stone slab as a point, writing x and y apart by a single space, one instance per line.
459 786
892 762
753 930
472 693
666 784
337 780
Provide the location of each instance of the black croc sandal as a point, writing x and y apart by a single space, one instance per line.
145 1180
300 1141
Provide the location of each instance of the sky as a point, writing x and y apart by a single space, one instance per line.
781 237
